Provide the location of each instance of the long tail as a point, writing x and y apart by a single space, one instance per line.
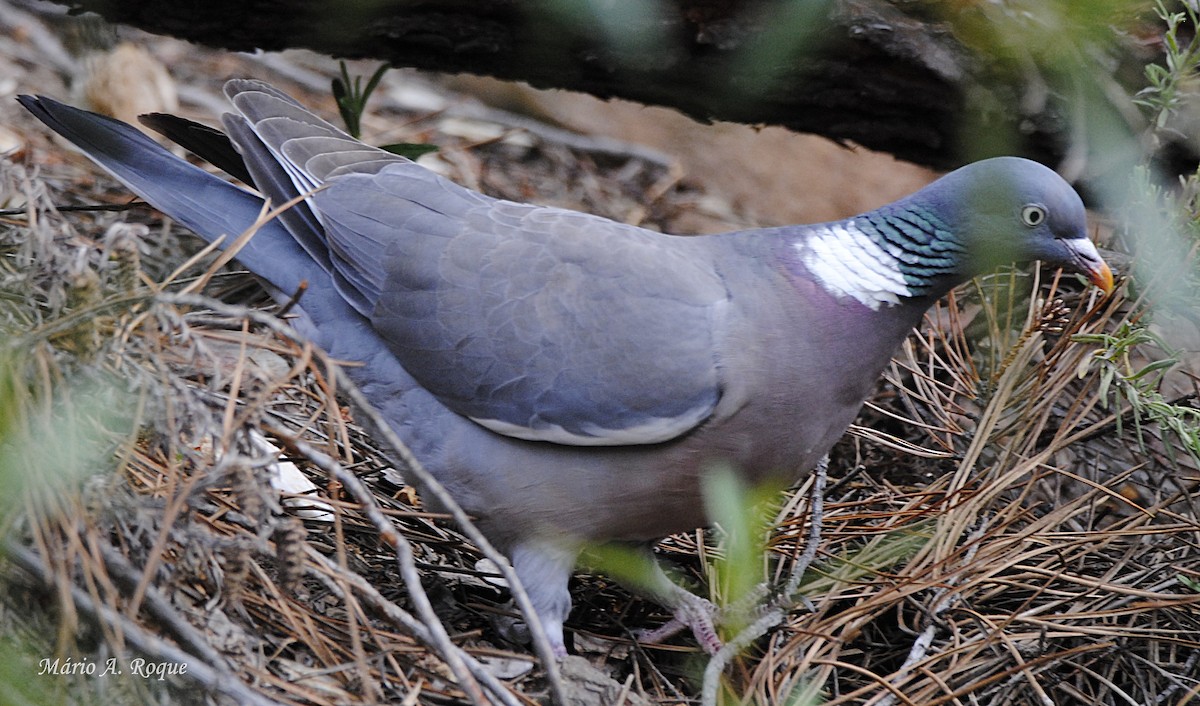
206 204
212 207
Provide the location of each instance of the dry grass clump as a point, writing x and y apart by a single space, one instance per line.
989 537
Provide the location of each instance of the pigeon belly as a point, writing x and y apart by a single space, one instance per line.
644 492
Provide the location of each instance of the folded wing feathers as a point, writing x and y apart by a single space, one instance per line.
381 212
240 85
276 184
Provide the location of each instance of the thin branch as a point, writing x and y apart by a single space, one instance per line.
440 640
404 619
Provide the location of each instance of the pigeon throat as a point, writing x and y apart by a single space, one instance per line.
881 259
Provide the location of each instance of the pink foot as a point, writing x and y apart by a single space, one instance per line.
691 611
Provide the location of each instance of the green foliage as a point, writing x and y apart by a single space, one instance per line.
1164 93
868 560
352 97
744 562
1121 382
1132 359
1163 228
630 567
744 515
19 673
55 435
1115 359
409 150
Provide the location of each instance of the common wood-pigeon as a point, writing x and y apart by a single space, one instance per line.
568 378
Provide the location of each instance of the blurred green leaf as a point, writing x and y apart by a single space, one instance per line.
54 437
352 97
409 150
743 514
628 565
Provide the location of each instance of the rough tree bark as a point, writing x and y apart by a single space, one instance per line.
937 83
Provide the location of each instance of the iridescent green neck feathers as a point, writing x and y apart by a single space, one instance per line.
883 257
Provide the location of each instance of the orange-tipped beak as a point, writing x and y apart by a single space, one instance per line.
1102 277
1085 258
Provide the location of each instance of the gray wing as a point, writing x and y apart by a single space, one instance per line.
537 323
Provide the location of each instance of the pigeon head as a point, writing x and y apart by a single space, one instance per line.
1009 209
969 222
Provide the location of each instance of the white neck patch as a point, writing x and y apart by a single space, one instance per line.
848 263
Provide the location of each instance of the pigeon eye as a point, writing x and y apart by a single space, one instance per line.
1033 215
